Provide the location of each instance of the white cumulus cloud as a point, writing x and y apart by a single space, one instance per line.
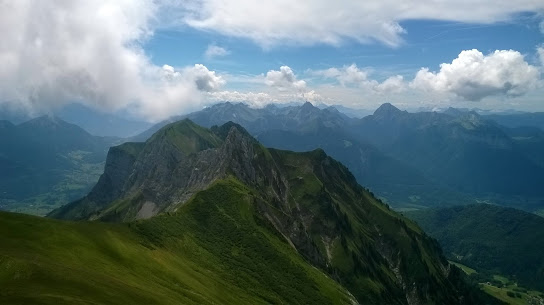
277 86
57 52
177 91
473 75
284 79
393 84
346 75
312 96
205 80
540 54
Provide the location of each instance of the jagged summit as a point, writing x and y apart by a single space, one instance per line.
307 112
454 112
387 110
228 106
163 172
307 106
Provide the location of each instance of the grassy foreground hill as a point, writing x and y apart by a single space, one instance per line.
213 251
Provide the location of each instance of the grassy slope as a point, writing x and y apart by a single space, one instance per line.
214 250
363 270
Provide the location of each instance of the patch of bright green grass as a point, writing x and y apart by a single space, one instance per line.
504 289
513 295
510 292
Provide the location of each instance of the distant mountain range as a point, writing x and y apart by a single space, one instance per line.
302 128
470 154
100 123
95 122
490 238
409 159
47 162
218 195
534 119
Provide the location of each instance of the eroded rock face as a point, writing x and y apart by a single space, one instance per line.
160 173
119 166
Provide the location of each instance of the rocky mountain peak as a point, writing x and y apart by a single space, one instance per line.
454 112
387 110
307 107
237 154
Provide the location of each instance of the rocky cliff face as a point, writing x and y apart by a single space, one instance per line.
309 199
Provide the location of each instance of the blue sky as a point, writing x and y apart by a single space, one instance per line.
153 59
427 43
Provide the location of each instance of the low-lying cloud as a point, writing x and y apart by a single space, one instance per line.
58 52
473 75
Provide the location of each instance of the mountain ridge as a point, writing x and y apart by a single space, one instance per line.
473 155
308 199
329 129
